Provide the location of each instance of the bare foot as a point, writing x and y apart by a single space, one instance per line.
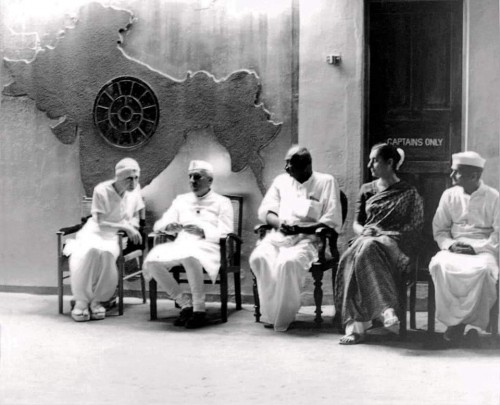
352 339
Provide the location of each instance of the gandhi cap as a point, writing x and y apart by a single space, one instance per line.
201 165
468 158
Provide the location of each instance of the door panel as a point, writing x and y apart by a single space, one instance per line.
414 53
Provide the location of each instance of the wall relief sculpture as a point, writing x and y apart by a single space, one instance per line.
118 106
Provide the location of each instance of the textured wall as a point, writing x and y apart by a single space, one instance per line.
229 106
243 56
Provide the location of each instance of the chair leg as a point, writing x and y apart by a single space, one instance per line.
494 316
60 286
256 299
413 306
237 289
317 274
403 297
143 289
431 306
121 273
153 288
223 294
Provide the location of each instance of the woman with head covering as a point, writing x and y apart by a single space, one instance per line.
116 205
388 219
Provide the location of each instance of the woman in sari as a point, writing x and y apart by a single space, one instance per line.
388 219
116 205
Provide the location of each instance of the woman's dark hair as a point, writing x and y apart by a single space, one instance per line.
386 152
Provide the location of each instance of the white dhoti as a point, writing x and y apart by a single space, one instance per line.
465 287
92 264
280 272
195 255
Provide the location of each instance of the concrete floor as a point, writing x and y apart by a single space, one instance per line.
47 358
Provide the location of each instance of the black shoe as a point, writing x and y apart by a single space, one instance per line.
184 316
471 339
454 334
198 320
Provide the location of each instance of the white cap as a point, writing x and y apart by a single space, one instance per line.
201 165
468 158
125 168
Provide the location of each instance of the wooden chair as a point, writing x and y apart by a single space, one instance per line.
230 251
135 253
408 280
326 237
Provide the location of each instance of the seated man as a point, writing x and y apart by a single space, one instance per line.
198 219
465 227
296 204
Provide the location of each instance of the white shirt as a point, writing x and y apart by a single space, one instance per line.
472 219
113 208
315 200
213 213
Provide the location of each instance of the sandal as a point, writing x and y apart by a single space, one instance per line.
391 321
97 312
80 315
352 339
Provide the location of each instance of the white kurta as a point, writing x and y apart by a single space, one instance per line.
280 262
213 213
94 250
466 284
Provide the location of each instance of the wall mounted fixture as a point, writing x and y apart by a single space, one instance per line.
333 59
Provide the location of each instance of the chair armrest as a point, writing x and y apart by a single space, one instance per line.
230 236
325 232
70 229
155 238
327 236
262 229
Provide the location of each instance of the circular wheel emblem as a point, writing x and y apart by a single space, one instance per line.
126 112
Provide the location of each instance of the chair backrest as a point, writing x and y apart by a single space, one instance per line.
237 202
86 207
343 204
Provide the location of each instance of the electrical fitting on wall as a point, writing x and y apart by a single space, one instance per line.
333 59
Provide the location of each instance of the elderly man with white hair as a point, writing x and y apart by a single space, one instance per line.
297 203
198 219
466 226
116 206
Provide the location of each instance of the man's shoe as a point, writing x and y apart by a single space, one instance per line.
454 334
198 320
184 316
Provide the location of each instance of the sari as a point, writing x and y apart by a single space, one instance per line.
369 270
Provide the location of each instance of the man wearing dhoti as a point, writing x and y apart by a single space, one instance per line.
198 219
465 226
296 204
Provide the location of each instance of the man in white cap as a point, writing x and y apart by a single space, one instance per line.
297 203
116 206
465 227
198 219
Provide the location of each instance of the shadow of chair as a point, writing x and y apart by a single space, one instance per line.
133 253
327 237
230 251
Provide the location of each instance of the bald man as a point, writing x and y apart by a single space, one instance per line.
297 203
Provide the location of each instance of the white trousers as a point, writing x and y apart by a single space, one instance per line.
465 287
160 271
280 274
94 275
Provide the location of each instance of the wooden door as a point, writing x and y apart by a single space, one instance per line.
414 65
